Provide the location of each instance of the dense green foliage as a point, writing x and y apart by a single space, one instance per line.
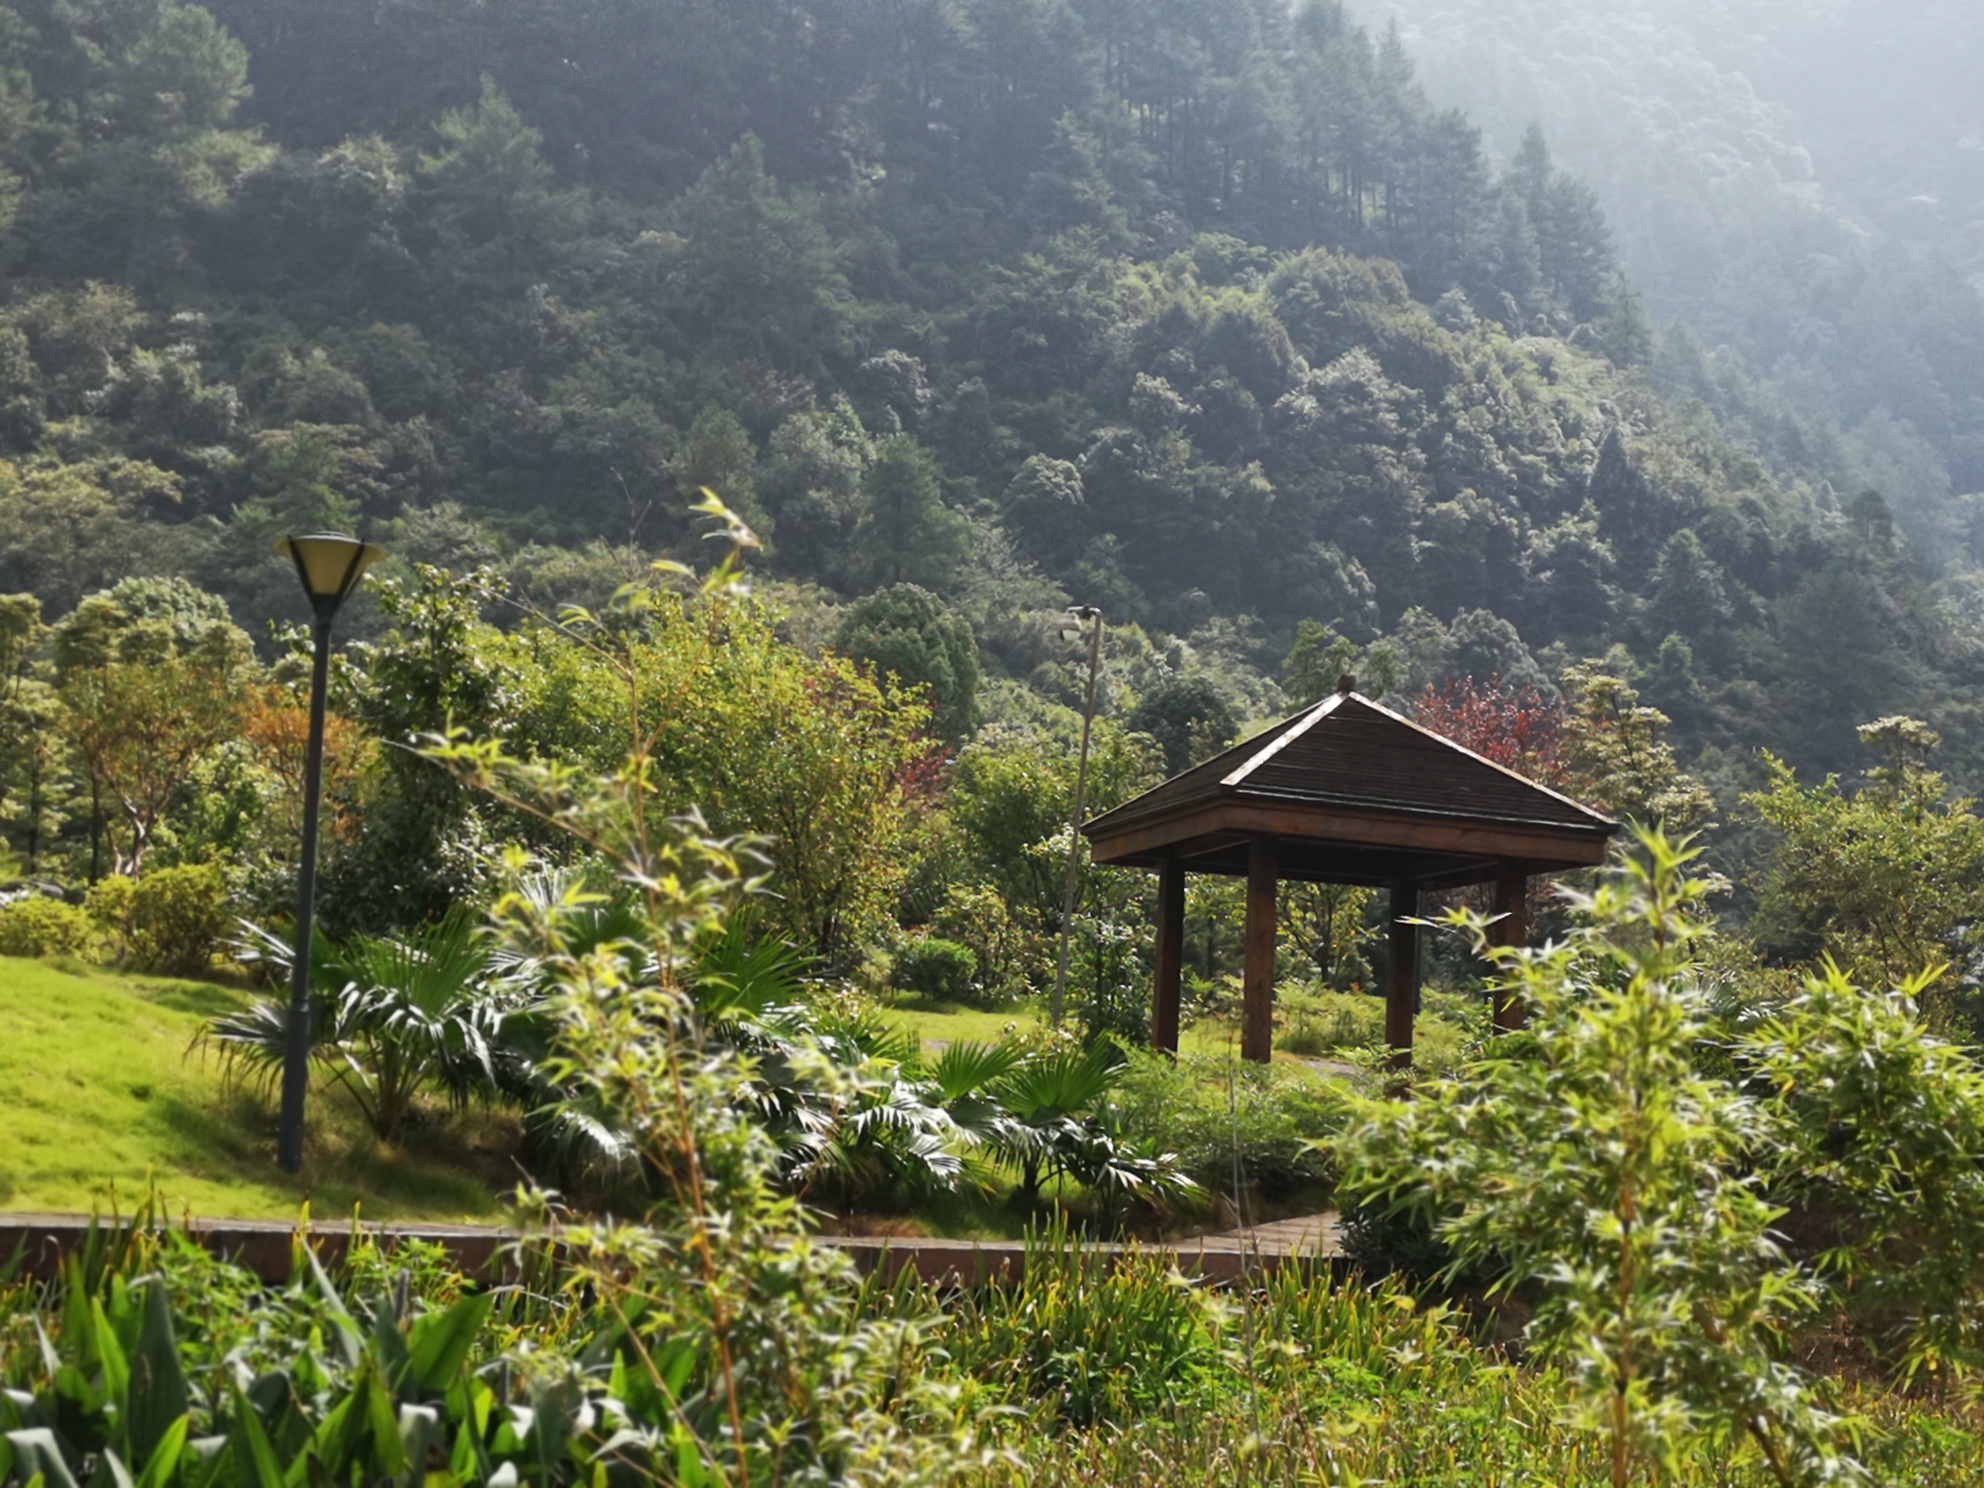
952 313
1090 1368
1602 1168
1203 314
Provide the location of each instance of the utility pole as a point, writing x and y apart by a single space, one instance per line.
1094 616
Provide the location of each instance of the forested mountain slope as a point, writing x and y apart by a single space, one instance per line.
1797 180
1198 311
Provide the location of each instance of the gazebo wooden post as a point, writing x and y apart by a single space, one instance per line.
1170 956
1257 980
1402 972
1512 929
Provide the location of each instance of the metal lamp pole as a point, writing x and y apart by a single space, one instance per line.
1090 613
329 564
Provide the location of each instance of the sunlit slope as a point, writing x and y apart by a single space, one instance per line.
100 1089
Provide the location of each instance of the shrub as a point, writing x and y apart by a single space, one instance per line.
1875 1127
1106 981
975 916
1399 1241
170 920
1329 1022
392 1018
1270 1115
1317 1023
936 968
41 926
1589 1161
109 909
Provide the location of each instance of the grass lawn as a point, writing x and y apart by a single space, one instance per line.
938 1023
99 1093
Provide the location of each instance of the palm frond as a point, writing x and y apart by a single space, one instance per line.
431 968
1061 1084
966 1067
735 976
257 945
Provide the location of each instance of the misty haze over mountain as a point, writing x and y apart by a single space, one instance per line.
1802 182
1689 118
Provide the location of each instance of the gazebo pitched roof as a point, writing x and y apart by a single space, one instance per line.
1354 793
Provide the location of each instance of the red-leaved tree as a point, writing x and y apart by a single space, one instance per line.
1516 727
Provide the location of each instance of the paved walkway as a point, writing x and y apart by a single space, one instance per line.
1232 1256
1318 1235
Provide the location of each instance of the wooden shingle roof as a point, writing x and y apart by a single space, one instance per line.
1354 793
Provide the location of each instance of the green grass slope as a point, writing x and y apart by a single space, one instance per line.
101 1093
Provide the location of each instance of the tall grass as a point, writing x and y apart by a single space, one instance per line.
1091 1368
1128 1375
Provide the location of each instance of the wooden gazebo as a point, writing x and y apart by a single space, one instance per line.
1344 792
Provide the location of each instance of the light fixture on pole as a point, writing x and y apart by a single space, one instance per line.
1094 616
330 565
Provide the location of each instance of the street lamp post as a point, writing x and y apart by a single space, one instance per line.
329 564
1094 616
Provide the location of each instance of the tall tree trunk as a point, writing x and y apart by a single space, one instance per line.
34 809
96 830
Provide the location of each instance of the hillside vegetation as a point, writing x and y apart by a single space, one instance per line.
1790 184
1204 314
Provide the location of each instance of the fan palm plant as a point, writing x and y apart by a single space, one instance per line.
743 997
838 1093
390 1018
1044 1101
1055 1119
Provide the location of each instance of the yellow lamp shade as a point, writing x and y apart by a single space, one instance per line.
329 563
